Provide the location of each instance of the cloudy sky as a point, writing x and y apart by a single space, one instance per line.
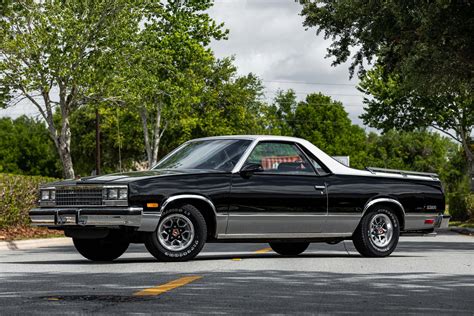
267 38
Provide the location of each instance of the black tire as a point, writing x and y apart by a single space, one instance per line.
362 237
101 249
183 214
289 248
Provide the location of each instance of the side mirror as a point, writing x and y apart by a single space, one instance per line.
250 168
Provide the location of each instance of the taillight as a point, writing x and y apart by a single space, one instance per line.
429 221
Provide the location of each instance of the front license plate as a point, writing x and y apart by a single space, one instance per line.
66 219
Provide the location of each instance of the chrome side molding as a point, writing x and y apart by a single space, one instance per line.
382 200
187 196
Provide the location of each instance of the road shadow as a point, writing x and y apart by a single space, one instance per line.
207 257
243 292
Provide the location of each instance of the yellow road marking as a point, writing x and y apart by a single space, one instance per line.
264 250
236 259
160 289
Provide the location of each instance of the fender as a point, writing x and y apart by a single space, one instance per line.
150 220
385 200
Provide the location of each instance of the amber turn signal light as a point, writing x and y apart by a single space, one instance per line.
152 205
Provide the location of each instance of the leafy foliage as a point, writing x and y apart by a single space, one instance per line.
429 43
322 121
26 148
120 135
18 194
165 65
418 151
56 54
423 56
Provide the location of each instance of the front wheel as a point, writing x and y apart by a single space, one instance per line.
377 234
289 248
180 235
101 249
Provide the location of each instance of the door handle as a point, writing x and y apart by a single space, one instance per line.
320 188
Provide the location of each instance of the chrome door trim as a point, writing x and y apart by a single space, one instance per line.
283 235
277 214
244 156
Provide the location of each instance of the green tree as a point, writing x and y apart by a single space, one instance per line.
25 148
121 139
419 150
320 120
227 104
423 53
165 66
281 113
55 55
429 43
326 124
391 106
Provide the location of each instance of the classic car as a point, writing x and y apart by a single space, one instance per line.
281 190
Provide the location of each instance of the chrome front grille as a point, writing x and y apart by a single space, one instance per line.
78 196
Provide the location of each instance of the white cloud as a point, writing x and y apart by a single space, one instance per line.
267 38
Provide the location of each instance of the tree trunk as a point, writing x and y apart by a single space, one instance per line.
143 116
156 136
64 149
152 142
465 138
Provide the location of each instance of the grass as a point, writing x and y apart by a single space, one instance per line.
466 224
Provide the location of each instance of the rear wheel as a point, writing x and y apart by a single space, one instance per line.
180 235
377 234
289 248
101 249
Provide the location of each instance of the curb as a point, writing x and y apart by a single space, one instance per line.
34 243
462 230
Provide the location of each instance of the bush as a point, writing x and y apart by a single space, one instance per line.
458 206
461 202
18 194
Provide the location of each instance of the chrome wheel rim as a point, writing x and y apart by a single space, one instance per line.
175 232
380 230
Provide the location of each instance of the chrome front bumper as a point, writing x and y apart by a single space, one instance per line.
96 217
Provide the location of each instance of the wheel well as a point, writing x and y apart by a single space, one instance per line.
395 208
203 207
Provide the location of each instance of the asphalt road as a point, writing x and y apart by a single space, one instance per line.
430 275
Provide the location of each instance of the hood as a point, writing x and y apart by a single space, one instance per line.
126 177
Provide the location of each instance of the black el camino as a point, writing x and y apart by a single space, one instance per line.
280 190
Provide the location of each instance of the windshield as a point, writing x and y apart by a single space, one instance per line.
217 154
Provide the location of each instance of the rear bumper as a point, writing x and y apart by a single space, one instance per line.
442 221
422 222
94 217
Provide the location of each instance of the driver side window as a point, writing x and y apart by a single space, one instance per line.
277 157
